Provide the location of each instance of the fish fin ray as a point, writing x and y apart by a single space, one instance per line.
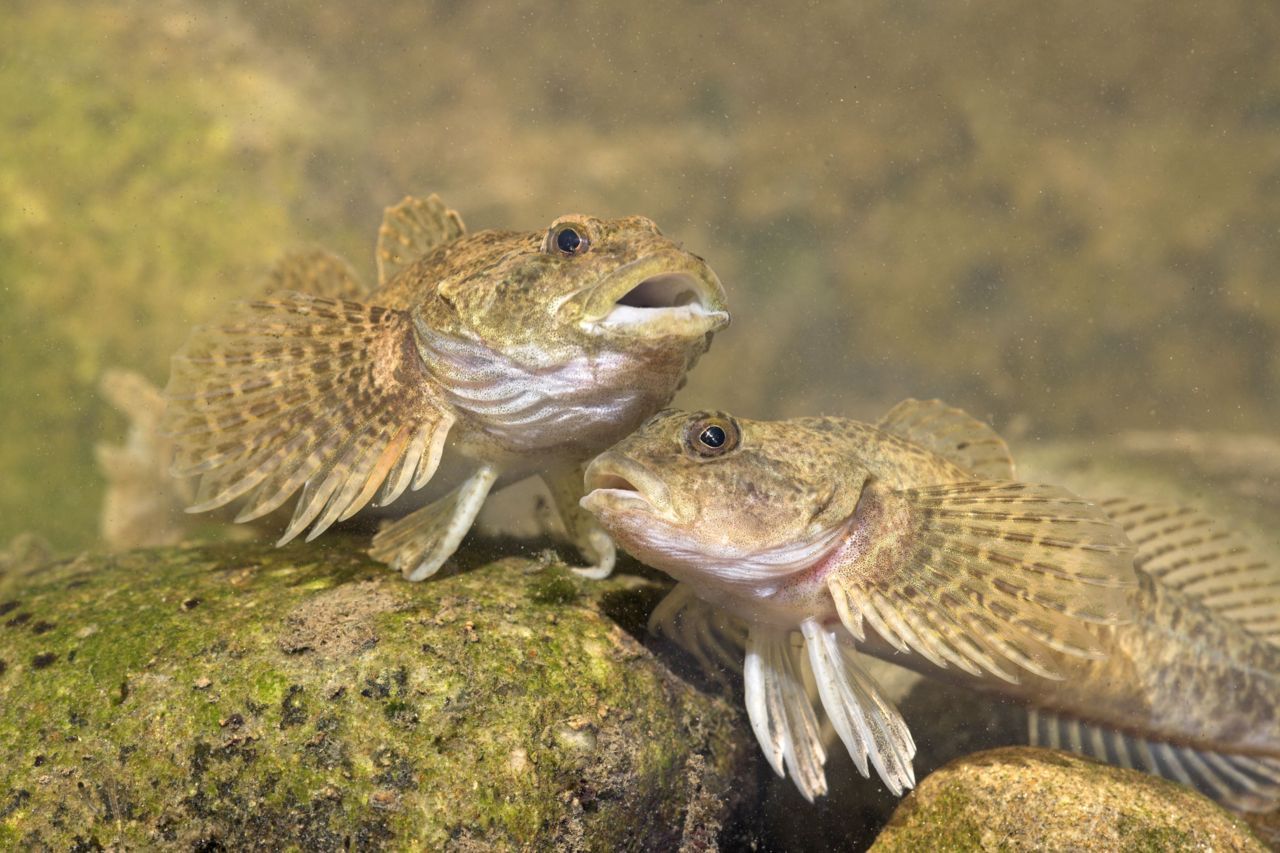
952 434
713 636
1243 782
317 272
411 229
333 393
781 710
1190 551
986 574
870 727
418 544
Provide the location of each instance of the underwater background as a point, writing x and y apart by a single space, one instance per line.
1062 218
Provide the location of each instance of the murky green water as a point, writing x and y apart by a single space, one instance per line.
1063 220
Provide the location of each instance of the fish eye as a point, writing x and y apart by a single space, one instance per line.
709 436
567 239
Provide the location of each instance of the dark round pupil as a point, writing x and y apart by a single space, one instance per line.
568 241
712 436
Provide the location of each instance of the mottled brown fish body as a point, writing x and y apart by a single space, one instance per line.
1177 671
1138 634
1213 687
571 377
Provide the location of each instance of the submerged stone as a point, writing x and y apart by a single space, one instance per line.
1021 798
233 695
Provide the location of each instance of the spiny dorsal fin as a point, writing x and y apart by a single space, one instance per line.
410 230
1189 551
985 576
953 435
317 272
304 392
1244 782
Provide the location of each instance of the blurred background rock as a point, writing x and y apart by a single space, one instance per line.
1062 218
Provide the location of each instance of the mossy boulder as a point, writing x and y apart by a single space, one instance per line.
1020 798
238 695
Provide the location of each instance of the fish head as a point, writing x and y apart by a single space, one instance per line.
584 285
706 494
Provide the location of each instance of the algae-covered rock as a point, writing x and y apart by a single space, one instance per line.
238 695
1018 798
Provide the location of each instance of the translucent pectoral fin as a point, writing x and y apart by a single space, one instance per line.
868 724
582 528
987 576
781 711
1193 553
715 637
418 544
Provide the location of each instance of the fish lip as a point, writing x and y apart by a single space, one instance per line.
659 294
615 482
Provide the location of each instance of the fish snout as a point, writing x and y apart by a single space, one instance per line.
656 295
616 483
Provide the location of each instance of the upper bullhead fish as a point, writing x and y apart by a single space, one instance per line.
513 352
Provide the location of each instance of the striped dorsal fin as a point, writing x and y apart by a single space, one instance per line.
953 435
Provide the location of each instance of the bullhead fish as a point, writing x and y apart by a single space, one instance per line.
1141 635
513 353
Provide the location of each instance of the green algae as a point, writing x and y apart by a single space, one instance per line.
144 180
237 694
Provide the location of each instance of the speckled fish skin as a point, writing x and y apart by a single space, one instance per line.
795 501
511 352
887 536
1179 670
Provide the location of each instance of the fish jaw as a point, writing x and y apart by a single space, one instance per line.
617 486
657 297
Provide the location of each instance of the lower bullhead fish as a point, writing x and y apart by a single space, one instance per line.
1138 634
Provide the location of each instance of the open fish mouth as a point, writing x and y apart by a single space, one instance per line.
656 295
616 483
